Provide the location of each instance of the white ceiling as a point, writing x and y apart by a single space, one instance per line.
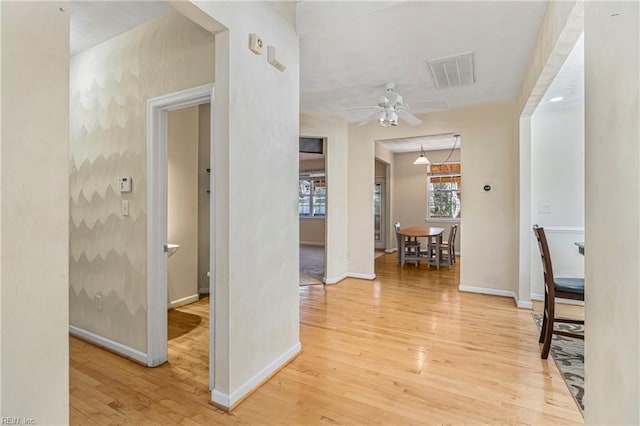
93 22
568 83
348 50
428 143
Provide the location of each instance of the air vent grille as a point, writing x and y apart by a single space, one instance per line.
312 145
453 71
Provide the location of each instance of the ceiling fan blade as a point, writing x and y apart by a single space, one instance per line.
429 105
361 108
372 117
409 118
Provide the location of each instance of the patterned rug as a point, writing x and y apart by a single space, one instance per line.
568 353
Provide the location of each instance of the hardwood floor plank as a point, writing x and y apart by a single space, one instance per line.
406 348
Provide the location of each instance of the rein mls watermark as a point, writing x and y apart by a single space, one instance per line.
17 421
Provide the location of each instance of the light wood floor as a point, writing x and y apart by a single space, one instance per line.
407 348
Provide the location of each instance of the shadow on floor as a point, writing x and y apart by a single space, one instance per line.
181 323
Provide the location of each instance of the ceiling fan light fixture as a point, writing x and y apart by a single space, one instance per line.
393 118
422 159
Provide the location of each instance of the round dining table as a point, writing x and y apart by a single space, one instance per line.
432 233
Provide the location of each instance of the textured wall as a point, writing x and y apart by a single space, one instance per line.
34 372
110 85
612 238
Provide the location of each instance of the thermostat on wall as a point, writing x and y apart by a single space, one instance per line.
124 183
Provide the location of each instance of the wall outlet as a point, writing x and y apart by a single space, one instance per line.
349 255
98 302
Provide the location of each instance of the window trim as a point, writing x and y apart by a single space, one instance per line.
313 176
431 219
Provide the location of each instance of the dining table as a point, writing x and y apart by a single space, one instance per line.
433 235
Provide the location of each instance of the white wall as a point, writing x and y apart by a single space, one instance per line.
204 185
255 306
557 181
335 130
34 220
612 305
561 27
410 197
182 202
488 157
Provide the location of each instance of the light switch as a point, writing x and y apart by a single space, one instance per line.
544 208
125 207
124 184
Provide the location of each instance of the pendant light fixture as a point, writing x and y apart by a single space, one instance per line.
422 159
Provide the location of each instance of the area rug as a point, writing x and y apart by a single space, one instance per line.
311 264
568 354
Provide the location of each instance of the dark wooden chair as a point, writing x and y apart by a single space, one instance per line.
411 247
565 288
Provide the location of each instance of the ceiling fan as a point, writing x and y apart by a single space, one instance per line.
391 107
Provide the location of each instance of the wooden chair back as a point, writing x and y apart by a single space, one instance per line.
452 235
547 267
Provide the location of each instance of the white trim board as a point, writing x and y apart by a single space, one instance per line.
229 400
311 243
184 301
335 280
157 165
523 304
540 297
109 344
563 230
361 276
391 250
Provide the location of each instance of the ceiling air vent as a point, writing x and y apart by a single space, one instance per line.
453 71
312 145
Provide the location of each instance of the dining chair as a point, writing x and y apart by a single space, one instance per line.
411 247
448 247
565 288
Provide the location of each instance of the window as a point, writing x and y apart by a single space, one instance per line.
312 197
444 191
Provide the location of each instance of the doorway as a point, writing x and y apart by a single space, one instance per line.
379 216
157 223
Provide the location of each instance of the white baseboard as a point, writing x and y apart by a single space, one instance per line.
540 297
184 301
335 280
311 243
524 305
361 276
116 347
229 400
391 250
497 292
489 291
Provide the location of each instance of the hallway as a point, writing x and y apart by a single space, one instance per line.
405 348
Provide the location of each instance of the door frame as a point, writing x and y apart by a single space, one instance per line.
157 199
382 181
